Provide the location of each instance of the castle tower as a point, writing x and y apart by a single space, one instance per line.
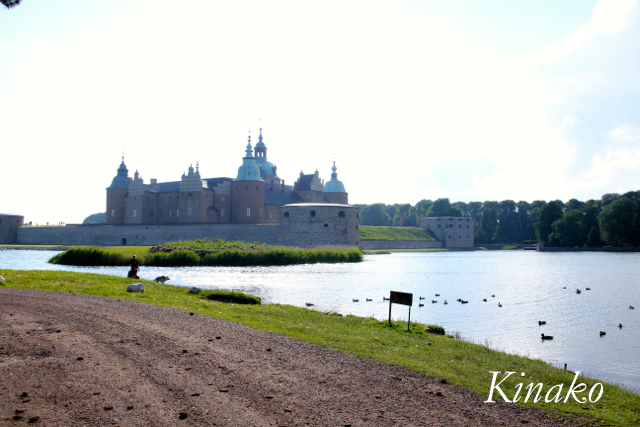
268 171
334 189
116 194
191 196
247 191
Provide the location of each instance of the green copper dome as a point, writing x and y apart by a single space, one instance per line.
334 185
121 180
249 171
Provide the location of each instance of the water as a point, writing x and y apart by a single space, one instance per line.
528 284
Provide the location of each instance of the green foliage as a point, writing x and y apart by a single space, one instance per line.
442 207
434 329
617 220
593 239
230 297
395 233
374 215
209 253
549 213
568 230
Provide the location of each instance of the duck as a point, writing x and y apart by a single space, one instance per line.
421 297
587 289
308 304
437 295
464 302
369 299
420 305
546 337
433 301
493 296
542 322
459 300
499 305
602 333
445 302
484 299
564 287
631 307
620 325
356 300
578 291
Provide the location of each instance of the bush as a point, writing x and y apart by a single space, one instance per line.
434 329
230 297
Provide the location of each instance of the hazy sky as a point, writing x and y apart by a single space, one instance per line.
474 101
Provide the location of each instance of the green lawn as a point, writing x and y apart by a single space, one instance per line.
460 362
369 232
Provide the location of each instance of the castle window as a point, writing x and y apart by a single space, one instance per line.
189 195
257 188
439 225
189 211
151 213
236 187
134 213
246 187
467 226
270 214
326 225
235 212
222 199
177 213
286 215
459 226
169 213
260 212
221 212
313 214
113 212
342 214
248 211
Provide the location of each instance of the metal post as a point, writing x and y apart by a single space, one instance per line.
409 322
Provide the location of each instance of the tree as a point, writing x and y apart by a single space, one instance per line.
593 239
549 213
617 220
442 207
526 232
574 205
475 210
567 231
634 233
391 211
462 206
423 206
608 198
508 224
487 227
10 3
400 219
374 215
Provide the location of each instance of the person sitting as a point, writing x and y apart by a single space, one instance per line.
135 265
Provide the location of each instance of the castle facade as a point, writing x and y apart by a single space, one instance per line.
253 197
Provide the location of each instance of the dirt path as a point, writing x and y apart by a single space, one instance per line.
75 360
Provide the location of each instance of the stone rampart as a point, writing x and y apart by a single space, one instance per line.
9 225
144 235
398 244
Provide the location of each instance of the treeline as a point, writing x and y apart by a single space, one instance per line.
613 220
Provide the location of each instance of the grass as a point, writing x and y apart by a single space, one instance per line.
206 252
460 362
369 232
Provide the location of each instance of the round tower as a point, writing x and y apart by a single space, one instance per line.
268 171
116 194
334 189
247 191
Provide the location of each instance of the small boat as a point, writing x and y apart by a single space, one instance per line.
546 337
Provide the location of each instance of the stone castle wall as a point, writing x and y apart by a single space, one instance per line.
454 232
310 224
9 225
144 235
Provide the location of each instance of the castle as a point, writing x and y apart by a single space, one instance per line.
253 197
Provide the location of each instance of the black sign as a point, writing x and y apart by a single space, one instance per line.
401 298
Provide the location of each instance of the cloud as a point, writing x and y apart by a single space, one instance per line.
625 133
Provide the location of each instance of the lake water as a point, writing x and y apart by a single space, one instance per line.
529 285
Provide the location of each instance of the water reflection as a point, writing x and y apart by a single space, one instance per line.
529 285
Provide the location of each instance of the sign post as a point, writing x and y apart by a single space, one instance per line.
404 299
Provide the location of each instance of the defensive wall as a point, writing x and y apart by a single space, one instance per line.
454 232
305 225
9 225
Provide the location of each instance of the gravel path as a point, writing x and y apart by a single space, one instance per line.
76 360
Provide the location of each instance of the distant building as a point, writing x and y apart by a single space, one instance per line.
253 197
455 232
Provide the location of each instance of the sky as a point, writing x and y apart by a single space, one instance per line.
413 99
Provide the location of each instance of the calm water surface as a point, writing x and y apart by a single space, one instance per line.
528 284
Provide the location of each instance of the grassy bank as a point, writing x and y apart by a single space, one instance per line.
461 363
369 232
206 253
